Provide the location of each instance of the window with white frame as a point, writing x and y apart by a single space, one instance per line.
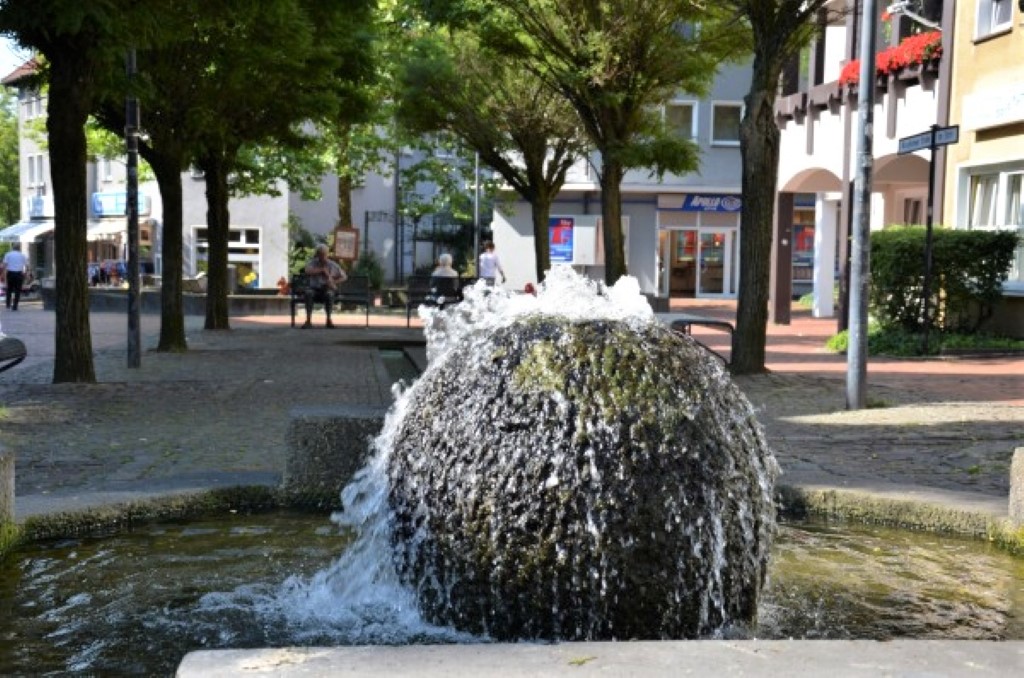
996 202
994 16
725 123
681 119
35 174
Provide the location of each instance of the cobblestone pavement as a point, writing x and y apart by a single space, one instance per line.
217 414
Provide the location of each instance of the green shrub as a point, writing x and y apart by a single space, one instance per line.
968 270
895 341
369 264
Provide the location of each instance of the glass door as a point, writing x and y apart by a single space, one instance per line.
717 273
711 279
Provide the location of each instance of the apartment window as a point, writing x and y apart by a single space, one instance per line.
994 16
680 119
106 169
997 203
35 171
725 123
33 107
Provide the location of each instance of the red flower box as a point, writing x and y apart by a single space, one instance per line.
915 49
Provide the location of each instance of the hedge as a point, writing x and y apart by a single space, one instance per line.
968 270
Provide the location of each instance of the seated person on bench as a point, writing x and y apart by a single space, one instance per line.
324 278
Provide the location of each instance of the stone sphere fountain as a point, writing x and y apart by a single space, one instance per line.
577 476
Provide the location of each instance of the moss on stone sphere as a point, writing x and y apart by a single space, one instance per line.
581 481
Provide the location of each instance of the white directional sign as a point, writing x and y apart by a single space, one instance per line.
943 137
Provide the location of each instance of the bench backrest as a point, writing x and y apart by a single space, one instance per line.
355 289
444 287
418 288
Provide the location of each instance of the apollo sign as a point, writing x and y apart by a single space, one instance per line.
700 203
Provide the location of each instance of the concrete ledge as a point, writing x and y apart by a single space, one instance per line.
834 658
115 299
926 509
326 445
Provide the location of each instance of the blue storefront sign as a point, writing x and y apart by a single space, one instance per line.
707 202
560 239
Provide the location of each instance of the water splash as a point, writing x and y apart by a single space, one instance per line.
385 579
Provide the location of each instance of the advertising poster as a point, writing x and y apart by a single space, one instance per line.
560 238
346 244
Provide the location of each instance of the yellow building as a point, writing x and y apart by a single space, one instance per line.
985 170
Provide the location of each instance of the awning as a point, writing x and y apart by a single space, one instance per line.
107 230
26 231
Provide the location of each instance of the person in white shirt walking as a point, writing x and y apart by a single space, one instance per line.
14 266
490 264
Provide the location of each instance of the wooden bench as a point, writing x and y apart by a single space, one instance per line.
353 292
431 291
12 352
684 322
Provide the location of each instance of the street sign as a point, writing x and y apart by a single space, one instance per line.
943 137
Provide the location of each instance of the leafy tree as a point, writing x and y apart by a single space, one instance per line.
309 59
10 177
520 128
84 45
614 61
779 30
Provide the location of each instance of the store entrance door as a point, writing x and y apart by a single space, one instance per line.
717 256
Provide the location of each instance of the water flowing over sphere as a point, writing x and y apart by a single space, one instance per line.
567 478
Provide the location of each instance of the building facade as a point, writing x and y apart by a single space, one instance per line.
984 172
681 232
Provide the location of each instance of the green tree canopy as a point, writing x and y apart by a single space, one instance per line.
519 126
615 62
10 176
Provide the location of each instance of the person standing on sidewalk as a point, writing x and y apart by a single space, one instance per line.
14 266
490 264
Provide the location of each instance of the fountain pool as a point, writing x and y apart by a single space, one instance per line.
137 602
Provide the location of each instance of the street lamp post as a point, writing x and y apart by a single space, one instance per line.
860 266
131 136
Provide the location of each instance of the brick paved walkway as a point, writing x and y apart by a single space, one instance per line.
217 414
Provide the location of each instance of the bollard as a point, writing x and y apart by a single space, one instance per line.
1017 487
6 487
8 529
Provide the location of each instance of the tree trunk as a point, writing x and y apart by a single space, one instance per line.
541 210
67 111
344 181
167 168
345 202
611 215
218 224
759 145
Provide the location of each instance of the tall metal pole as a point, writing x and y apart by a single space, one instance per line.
476 210
131 136
926 292
860 265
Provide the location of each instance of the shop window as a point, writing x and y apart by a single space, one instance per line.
994 16
725 123
686 246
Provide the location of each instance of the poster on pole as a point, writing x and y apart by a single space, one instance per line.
560 238
346 244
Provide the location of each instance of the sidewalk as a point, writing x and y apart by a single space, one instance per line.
217 415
